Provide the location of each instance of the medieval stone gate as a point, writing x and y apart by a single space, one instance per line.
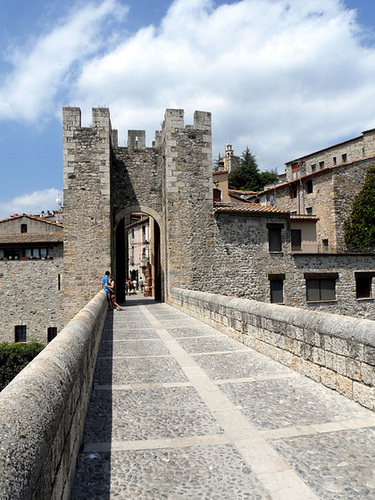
104 182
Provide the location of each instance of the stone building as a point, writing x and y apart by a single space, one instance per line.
141 254
266 253
323 185
270 251
31 273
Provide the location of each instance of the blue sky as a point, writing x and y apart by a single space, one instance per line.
284 77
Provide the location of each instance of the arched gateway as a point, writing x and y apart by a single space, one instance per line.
103 183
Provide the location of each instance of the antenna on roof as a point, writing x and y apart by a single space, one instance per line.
59 202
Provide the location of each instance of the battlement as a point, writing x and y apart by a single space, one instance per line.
174 119
136 139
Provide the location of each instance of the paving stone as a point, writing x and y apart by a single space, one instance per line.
179 410
148 414
199 472
244 364
337 465
271 404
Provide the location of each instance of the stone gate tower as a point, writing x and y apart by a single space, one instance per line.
103 183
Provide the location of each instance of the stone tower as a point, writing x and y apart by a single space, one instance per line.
104 183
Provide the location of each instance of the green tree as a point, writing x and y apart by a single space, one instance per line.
219 159
247 176
359 227
268 177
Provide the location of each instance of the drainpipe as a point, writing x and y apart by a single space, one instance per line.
303 195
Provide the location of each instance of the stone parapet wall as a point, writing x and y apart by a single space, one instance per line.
43 410
337 351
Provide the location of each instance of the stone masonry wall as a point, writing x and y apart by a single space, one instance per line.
242 260
188 199
30 296
87 211
13 226
335 350
333 193
356 149
43 411
243 264
345 265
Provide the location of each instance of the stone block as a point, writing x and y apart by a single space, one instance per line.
368 374
328 378
353 369
364 395
311 370
344 385
318 356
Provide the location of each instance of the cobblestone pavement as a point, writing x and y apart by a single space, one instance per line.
181 411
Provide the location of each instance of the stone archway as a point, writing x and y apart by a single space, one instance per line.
120 249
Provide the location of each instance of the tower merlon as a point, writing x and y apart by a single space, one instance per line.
136 138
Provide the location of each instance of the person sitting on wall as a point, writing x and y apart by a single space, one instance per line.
106 283
112 288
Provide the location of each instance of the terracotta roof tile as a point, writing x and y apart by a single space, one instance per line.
239 191
31 238
254 208
307 218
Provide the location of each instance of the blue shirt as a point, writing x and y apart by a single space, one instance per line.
105 282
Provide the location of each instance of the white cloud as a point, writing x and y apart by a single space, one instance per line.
282 77
32 203
51 62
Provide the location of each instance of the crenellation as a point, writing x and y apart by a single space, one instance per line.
136 138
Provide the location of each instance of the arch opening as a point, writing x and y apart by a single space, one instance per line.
137 259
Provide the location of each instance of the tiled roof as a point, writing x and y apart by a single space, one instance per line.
253 208
301 218
238 192
33 217
31 238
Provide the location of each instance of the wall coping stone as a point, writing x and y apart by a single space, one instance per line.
39 420
344 327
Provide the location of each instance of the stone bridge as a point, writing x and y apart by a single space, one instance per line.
184 405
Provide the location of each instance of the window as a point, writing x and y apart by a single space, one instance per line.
344 158
321 165
325 242
295 171
23 228
217 194
313 168
309 187
293 192
363 285
20 333
334 160
296 235
132 232
59 281
309 211
321 287
51 333
274 237
276 288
